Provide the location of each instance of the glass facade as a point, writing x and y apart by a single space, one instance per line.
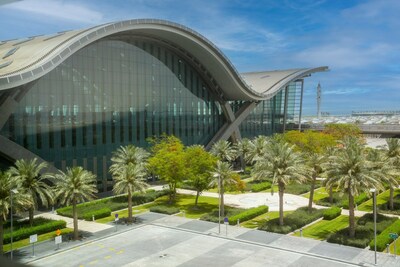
109 94
268 117
117 92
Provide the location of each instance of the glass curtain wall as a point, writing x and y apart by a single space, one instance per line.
109 94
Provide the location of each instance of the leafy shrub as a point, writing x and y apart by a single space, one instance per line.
98 214
214 214
248 214
382 221
341 200
258 187
332 213
383 238
165 209
113 203
293 221
26 231
361 240
297 189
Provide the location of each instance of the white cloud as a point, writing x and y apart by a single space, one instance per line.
56 9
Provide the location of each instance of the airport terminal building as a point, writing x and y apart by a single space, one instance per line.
73 97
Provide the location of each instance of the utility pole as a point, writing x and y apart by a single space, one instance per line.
319 100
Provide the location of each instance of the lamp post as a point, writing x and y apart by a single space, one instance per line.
373 191
11 211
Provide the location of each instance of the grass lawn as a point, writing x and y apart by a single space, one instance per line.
391 247
322 229
183 202
319 193
42 237
382 198
259 220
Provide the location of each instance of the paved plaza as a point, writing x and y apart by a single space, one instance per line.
161 240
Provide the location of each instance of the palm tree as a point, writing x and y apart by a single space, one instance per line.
280 163
128 154
224 151
20 200
223 176
74 186
257 147
243 148
129 179
34 184
393 156
315 164
350 171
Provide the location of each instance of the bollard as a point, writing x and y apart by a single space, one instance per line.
301 232
238 222
92 217
184 214
387 248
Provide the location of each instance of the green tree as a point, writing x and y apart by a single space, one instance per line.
224 150
223 176
20 200
33 183
200 165
282 165
168 161
74 186
342 131
310 141
351 173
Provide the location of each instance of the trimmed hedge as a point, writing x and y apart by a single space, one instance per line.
213 215
25 232
332 213
248 214
293 221
361 240
341 200
164 209
383 238
98 214
260 186
113 203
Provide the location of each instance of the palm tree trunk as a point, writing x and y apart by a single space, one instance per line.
129 206
331 195
31 216
222 200
391 198
352 229
281 191
310 201
197 198
75 216
1 235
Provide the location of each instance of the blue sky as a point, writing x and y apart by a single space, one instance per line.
358 40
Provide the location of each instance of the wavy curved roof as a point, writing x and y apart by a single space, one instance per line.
22 61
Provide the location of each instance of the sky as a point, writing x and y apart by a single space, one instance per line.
359 40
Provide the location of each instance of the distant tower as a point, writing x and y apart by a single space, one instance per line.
319 100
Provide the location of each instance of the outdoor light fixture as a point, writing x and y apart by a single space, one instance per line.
373 191
15 191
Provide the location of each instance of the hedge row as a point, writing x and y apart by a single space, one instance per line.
164 209
214 214
383 238
293 221
113 203
248 214
97 214
260 187
332 213
341 200
25 232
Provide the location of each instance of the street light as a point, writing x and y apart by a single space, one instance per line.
15 191
373 191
